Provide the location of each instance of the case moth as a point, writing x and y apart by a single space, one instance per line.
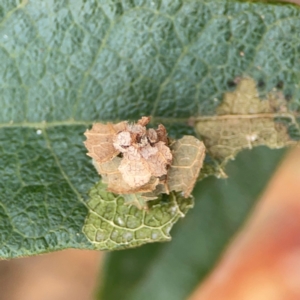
135 160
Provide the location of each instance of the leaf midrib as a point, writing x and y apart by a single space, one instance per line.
191 120
45 124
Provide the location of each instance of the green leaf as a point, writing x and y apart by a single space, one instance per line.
171 271
66 64
112 224
42 205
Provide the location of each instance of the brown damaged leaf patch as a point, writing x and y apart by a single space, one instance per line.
140 162
243 120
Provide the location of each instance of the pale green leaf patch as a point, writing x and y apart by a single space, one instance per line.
112 224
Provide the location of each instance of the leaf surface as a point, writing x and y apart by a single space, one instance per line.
65 65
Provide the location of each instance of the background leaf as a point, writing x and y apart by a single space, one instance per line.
64 65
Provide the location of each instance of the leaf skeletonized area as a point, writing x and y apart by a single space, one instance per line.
243 120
